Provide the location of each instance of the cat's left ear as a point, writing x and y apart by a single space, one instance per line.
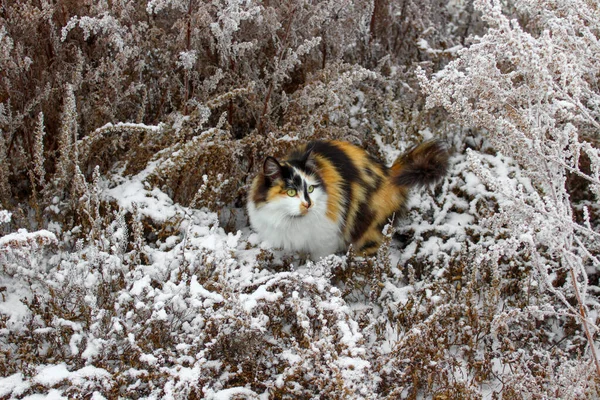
272 168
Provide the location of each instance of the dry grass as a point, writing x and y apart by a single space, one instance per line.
144 299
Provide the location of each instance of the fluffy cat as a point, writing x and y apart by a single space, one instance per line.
328 194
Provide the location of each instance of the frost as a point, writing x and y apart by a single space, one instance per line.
187 59
5 216
105 24
157 6
231 393
129 136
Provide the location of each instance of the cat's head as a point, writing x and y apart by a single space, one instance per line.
292 186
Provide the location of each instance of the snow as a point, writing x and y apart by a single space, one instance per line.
5 216
11 306
153 204
53 394
196 289
13 384
199 241
249 302
24 238
231 393
52 375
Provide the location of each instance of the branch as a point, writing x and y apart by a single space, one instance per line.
271 84
583 317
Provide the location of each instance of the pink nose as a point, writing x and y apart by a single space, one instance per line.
306 204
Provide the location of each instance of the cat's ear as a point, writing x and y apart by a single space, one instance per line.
309 160
272 168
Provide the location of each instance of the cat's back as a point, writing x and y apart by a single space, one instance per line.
342 161
352 178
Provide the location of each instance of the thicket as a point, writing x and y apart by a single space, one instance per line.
487 288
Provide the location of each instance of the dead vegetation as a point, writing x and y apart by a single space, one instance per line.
154 293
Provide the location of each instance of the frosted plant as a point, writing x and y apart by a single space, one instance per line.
292 59
87 196
230 15
5 216
187 59
104 24
331 97
21 251
211 82
156 6
38 151
118 233
66 138
535 93
174 306
4 170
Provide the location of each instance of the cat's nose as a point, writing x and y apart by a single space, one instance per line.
306 203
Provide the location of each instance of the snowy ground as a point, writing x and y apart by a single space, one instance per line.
198 310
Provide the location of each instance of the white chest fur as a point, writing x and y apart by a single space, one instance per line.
281 226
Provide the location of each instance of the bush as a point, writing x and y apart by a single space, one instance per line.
130 132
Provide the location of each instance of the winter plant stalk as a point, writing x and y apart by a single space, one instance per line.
532 92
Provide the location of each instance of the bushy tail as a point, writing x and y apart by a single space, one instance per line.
422 165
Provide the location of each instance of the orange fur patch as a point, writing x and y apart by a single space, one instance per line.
275 191
387 200
333 182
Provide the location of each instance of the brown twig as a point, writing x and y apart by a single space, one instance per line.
584 324
188 45
271 84
373 22
230 108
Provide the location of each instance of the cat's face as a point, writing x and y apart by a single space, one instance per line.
291 190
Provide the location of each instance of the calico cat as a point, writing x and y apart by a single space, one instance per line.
328 194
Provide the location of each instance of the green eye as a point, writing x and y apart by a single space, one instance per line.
291 192
311 189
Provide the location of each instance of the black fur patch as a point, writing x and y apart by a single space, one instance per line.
287 175
338 158
362 221
295 182
370 245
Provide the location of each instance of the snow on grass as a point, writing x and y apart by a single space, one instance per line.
232 393
22 238
207 308
14 384
5 216
200 277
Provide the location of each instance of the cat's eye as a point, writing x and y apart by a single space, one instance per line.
291 192
311 189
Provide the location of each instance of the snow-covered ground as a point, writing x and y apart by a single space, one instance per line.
194 310
127 269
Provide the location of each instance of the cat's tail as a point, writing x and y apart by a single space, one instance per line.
421 165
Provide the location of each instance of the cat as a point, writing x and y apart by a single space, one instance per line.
326 195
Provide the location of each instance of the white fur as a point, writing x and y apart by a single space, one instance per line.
281 224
